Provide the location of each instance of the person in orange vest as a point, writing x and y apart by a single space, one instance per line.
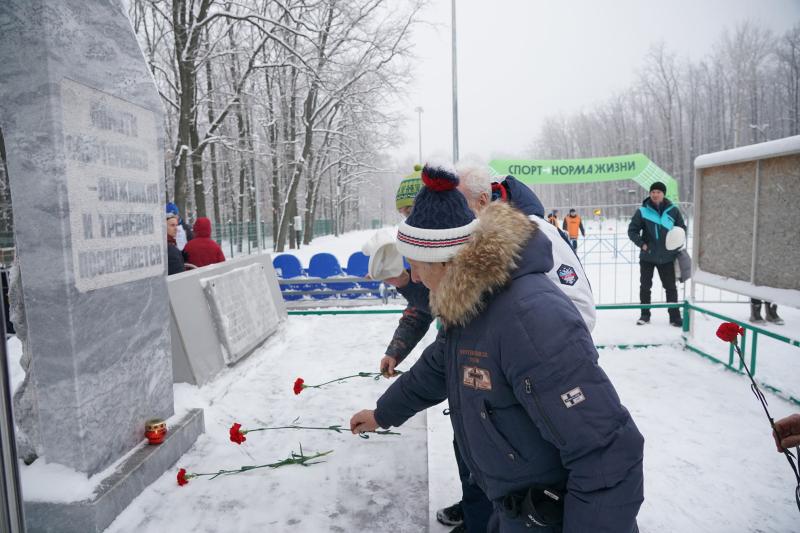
553 217
572 224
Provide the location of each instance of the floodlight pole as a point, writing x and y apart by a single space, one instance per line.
455 85
419 121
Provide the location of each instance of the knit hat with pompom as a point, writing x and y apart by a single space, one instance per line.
408 189
441 222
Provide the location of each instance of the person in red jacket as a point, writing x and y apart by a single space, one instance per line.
203 250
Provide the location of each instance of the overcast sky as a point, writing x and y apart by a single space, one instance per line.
522 60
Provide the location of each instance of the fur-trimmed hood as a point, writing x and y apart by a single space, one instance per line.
504 239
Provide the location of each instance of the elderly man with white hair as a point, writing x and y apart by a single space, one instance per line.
567 273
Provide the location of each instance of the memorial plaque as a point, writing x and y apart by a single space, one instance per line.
112 170
241 305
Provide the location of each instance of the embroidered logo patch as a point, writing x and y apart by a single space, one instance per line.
476 378
567 275
573 397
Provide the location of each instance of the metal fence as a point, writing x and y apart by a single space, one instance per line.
783 352
242 238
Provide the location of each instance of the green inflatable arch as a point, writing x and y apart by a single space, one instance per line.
633 167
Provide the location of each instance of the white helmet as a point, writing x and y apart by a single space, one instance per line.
676 238
384 259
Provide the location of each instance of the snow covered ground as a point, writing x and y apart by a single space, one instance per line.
710 463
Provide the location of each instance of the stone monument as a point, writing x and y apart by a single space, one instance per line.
82 123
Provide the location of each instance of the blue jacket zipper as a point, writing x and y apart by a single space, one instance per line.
529 389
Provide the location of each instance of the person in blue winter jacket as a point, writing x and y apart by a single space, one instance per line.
648 230
536 419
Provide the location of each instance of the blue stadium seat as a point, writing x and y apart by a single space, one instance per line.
358 265
288 266
324 265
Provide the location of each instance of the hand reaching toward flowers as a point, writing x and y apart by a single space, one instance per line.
363 421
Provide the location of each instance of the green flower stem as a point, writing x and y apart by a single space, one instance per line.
337 428
294 459
375 375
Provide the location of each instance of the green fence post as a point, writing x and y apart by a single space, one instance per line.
753 353
230 237
730 355
744 349
686 312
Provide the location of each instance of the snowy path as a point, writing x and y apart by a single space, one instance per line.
710 464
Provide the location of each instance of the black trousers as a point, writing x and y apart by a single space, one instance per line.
666 272
475 505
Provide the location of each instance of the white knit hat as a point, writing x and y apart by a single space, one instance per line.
441 222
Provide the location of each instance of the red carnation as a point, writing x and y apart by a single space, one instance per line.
182 477
237 436
298 385
728 331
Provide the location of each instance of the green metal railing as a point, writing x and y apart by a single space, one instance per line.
751 335
238 239
242 238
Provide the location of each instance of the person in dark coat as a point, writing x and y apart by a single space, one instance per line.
538 422
417 316
648 230
202 250
184 233
175 258
413 324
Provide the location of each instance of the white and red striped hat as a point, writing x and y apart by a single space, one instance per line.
441 222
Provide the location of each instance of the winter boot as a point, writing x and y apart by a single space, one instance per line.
643 320
755 313
675 317
771 310
451 516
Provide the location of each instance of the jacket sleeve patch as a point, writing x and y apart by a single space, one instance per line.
573 397
567 275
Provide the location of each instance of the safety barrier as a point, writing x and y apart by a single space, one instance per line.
750 336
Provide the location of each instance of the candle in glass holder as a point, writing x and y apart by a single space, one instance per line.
155 430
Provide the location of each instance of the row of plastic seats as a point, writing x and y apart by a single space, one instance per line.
323 265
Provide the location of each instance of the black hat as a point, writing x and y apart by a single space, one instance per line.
658 186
